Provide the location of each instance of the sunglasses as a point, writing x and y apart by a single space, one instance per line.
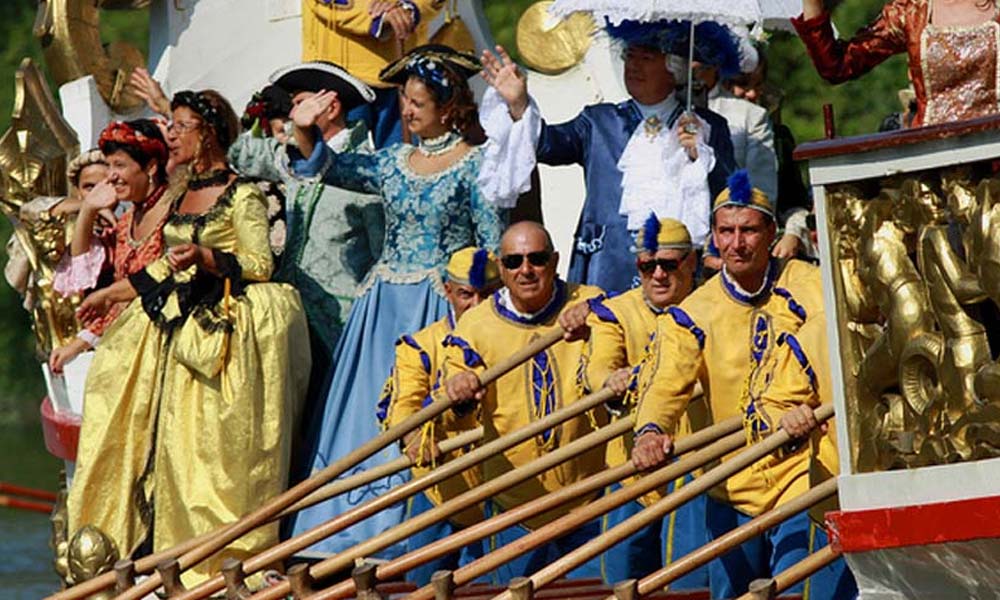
648 267
535 259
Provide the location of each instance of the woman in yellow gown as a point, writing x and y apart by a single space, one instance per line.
191 399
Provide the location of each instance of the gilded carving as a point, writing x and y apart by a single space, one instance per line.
552 47
33 157
918 286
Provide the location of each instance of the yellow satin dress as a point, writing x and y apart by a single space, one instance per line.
192 396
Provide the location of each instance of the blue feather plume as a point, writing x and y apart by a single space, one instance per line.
740 190
477 274
714 44
650 231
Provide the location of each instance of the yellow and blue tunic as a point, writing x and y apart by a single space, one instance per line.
414 377
485 336
724 337
622 334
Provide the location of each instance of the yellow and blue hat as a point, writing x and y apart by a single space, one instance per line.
661 234
473 266
739 192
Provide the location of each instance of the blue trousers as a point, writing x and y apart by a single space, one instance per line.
658 544
422 575
529 562
382 117
771 553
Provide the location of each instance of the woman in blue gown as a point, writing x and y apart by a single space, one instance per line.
433 207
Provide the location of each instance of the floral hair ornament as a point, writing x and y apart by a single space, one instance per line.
436 65
200 104
120 132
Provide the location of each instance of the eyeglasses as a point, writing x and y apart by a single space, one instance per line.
648 267
535 259
183 127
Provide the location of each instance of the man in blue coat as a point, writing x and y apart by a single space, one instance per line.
598 140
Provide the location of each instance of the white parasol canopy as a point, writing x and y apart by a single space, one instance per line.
770 13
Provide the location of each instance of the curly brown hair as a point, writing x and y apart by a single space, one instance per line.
461 108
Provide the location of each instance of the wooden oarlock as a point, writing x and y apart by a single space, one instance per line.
404 530
627 590
236 587
794 574
364 580
719 546
689 492
276 505
340 486
124 575
763 589
456 541
443 583
521 588
300 581
584 514
170 572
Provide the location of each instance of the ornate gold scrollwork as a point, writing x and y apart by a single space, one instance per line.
919 266
69 31
91 553
553 47
33 157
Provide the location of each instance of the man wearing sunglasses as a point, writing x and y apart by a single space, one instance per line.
726 336
531 304
622 329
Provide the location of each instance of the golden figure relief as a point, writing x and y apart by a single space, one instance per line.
919 264
33 157
70 35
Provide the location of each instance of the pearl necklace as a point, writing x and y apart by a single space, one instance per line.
439 145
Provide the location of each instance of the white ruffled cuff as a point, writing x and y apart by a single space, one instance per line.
78 273
89 337
509 154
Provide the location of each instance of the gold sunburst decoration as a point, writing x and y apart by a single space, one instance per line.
552 47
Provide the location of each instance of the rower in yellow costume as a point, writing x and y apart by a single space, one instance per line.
345 33
725 338
622 331
471 276
531 305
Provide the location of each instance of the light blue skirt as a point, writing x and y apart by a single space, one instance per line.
361 363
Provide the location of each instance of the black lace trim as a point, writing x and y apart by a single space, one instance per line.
209 179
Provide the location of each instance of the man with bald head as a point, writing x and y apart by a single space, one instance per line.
531 304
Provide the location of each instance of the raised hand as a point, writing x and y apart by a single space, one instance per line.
142 84
308 112
507 79
102 197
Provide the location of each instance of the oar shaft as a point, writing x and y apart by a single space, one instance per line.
502 521
730 540
592 510
480 493
30 505
282 501
801 570
687 493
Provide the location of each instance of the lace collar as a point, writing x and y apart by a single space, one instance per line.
745 297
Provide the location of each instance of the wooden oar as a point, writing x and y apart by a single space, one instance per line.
719 546
793 574
670 503
340 486
470 498
502 521
392 435
591 511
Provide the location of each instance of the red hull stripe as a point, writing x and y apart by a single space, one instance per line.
958 521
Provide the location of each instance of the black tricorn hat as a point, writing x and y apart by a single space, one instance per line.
318 75
463 63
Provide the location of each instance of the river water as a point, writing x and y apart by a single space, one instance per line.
25 559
